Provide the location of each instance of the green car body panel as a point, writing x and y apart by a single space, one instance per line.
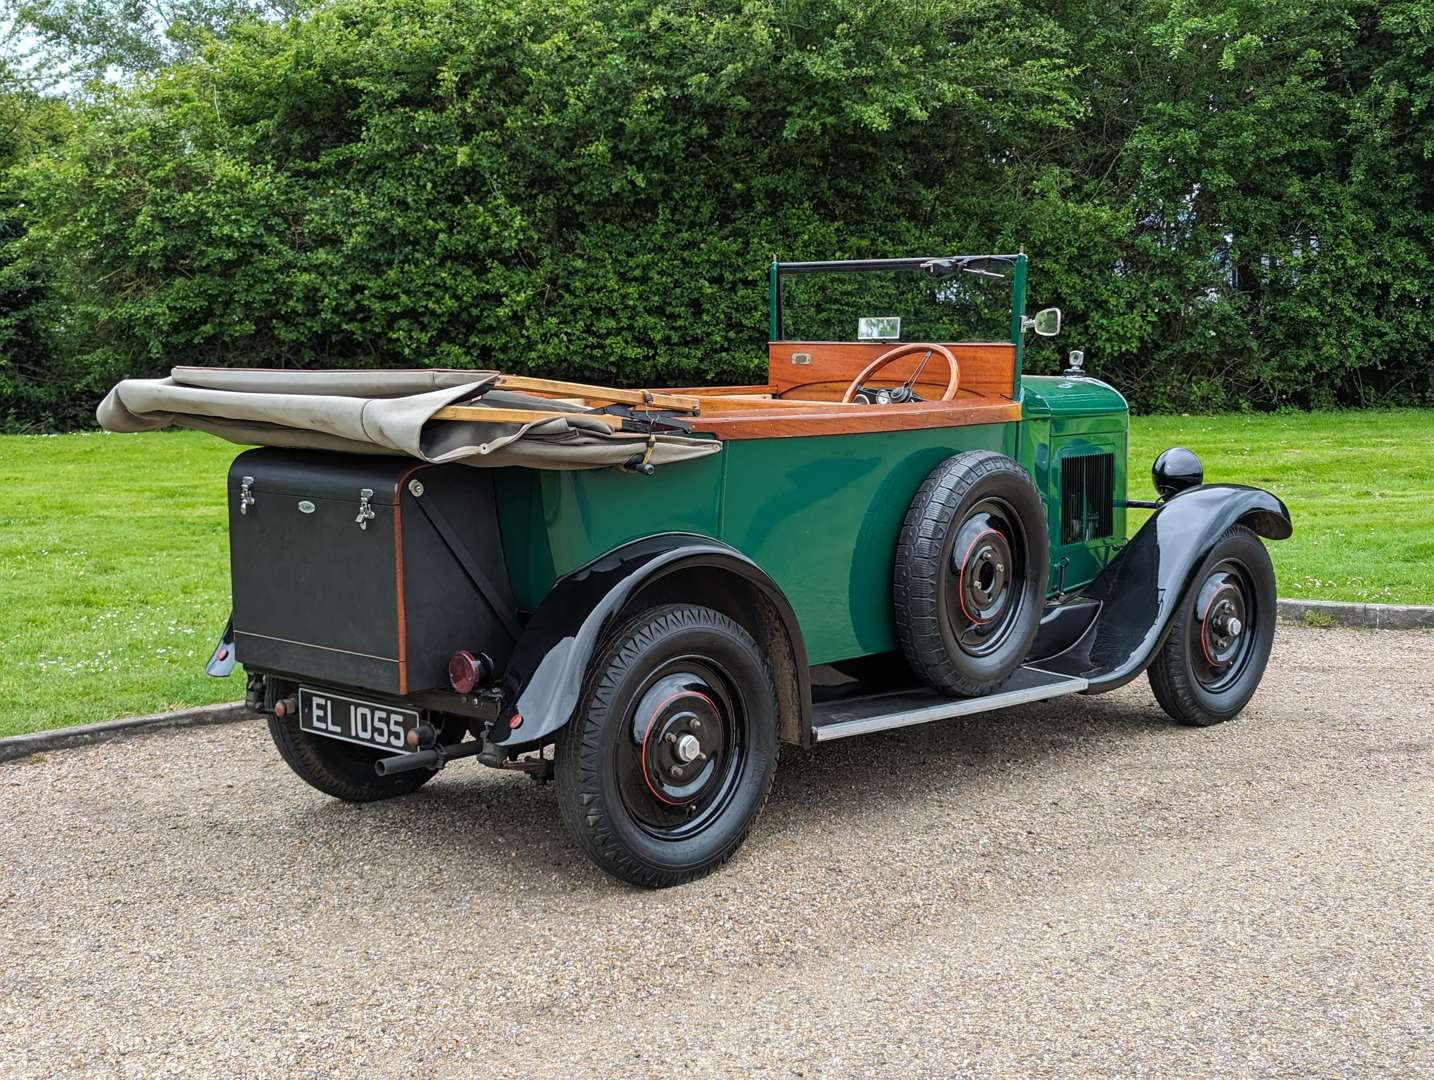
1067 417
820 515
659 623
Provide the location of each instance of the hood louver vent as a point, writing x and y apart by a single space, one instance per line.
1087 497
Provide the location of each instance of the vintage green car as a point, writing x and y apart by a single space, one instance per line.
646 592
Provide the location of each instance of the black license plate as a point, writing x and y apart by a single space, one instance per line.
367 723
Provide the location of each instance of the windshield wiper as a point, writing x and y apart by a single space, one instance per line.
940 268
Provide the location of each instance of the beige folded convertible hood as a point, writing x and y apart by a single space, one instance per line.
386 412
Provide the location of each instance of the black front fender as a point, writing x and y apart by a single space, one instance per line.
544 678
1144 586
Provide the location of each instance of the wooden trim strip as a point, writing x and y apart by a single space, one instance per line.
484 415
398 489
720 391
654 398
398 584
823 419
784 342
829 393
746 405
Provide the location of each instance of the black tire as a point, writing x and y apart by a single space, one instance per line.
640 809
1204 674
345 770
966 619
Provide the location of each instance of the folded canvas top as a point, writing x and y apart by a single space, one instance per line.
386 412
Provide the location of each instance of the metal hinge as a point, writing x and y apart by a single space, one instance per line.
246 497
365 514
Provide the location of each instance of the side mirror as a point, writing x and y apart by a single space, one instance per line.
1047 322
1176 470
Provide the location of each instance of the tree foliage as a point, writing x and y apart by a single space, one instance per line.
1233 202
75 41
35 382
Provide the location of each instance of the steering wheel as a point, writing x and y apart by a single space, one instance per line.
886 358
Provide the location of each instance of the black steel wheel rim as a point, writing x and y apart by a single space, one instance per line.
1222 627
682 746
987 577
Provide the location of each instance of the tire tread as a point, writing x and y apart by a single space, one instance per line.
1169 674
916 580
303 754
579 759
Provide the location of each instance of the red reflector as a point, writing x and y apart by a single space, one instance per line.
223 654
465 671
516 721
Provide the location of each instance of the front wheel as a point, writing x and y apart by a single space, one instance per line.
663 770
1217 650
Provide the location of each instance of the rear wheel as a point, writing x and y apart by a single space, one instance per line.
345 770
665 767
1215 656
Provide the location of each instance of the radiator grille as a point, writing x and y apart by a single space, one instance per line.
1087 497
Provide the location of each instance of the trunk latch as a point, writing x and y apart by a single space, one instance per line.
365 514
246 496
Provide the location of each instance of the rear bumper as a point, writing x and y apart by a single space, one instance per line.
264 689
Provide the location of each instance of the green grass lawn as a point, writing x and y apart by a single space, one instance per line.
114 565
114 576
1359 485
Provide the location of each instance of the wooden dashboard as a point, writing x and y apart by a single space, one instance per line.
806 380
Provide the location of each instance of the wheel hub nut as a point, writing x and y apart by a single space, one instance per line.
1233 626
688 748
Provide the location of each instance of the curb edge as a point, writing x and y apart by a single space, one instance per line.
1321 613
39 742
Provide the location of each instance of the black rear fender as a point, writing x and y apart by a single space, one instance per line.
1143 588
544 679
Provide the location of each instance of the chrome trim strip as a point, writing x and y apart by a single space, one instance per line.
311 645
948 709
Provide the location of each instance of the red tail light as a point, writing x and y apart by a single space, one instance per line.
466 671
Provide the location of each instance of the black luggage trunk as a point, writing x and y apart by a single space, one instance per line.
365 571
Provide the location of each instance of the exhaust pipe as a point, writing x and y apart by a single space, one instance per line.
434 758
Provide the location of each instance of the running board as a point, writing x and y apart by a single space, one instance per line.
903 708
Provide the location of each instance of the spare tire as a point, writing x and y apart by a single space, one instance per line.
970 575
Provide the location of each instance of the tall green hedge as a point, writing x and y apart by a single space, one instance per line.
1233 202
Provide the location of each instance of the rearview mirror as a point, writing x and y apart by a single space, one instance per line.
1047 322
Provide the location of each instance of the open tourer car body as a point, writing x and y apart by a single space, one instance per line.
642 593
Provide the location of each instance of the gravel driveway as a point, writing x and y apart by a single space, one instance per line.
1071 887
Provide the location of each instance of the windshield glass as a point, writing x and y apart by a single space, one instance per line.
963 305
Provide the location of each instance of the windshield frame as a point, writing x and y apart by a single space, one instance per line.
1018 263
